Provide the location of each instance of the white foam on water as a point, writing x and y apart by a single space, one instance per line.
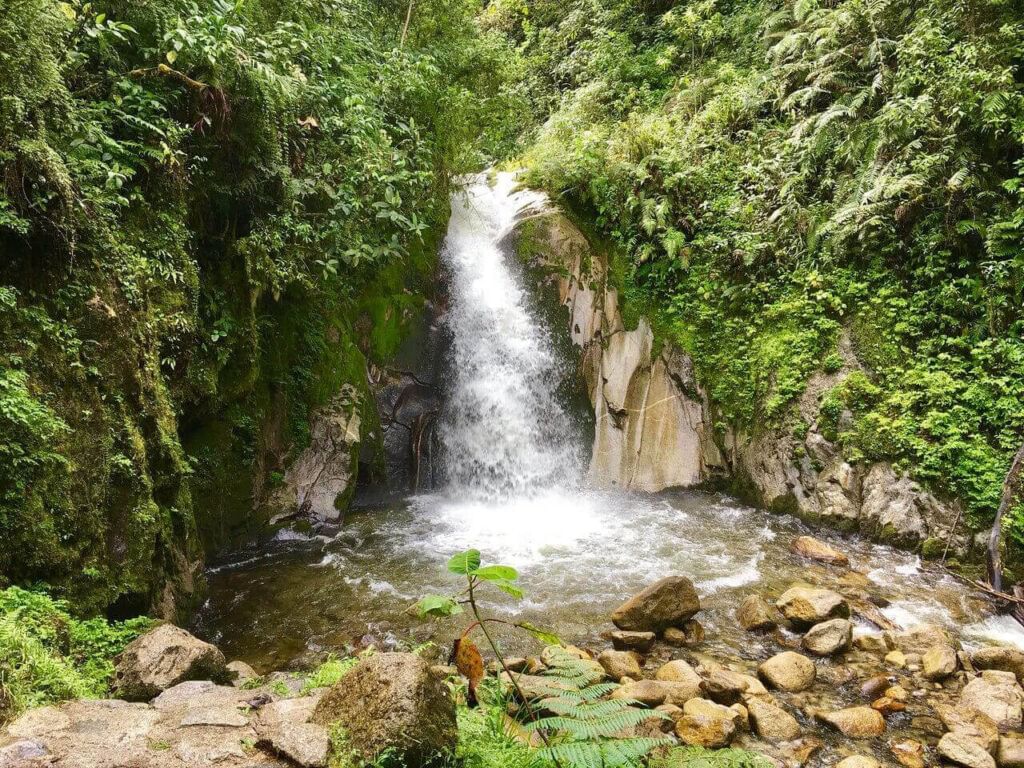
1000 630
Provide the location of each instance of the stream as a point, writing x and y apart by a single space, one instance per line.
514 466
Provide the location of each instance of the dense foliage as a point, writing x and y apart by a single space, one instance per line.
210 213
784 176
46 655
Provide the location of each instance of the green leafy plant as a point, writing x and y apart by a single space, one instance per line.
586 728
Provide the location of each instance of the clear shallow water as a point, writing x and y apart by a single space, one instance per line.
579 556
515 492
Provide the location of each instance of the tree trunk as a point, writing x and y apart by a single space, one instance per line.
1011 490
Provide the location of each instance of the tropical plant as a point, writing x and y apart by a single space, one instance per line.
585 728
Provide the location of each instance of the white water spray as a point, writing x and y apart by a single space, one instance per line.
506 435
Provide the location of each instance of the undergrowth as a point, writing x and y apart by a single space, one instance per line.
47 655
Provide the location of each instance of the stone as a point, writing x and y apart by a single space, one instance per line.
887 706
828 637
390 702
938 662
756 614
909 753
896 659
1000 658
873 686
998 695
678 671
305 744
724 686
1010 753
788 671
161 658
816 549
961 750
240 672
673 713
653 693
667 603
706 724
619 664
219 716
976 726
23 753
624 640
895 509
858 761
687 636
807 606
920 638
880 643
855 722
770 721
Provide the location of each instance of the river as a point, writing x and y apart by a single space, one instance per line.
514 464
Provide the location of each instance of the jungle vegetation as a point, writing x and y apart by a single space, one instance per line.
785 179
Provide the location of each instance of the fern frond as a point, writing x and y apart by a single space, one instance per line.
607 726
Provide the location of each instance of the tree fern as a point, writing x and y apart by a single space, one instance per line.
588 730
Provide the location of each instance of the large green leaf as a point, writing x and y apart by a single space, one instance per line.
465 562
497 573
437 605
545 636
509 588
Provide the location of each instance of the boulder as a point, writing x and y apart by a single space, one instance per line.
305 744
829 637
880 643
755 614
961 750
938 662
816 549
855 722
620 664
724 686
687 636
678 671
807 606
654 693
624 640
706 724
858 761
788 671
770 721
921 638
1001 658
240 672
908 752
161 658
996 694
1011 752
973 725
667 603
389 702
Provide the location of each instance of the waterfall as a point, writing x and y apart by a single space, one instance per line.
504 433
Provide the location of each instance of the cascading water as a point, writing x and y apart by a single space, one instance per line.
505 434
514 492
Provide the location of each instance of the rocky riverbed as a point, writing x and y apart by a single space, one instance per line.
827 679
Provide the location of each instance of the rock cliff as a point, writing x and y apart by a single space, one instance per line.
655 424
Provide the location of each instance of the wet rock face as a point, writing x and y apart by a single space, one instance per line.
670 602
391 702
162 658
654 423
